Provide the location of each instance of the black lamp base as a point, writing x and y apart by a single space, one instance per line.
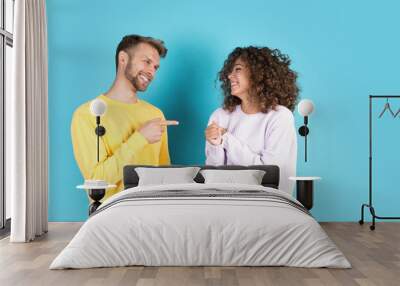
303 130
100 130
304 193
96 195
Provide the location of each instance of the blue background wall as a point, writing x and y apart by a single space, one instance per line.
342 50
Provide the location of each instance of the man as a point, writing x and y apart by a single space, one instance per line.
135 129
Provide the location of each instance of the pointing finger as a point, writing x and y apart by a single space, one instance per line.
169 122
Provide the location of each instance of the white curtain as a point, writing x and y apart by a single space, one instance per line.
27 128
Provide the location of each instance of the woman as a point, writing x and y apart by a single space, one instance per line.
255 125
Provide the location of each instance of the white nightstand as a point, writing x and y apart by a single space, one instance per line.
305 190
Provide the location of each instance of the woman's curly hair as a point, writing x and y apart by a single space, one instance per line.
272 82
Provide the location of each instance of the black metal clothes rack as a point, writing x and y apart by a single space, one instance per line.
370 205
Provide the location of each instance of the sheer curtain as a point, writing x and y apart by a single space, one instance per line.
27 127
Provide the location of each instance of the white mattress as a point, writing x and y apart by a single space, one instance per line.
189 231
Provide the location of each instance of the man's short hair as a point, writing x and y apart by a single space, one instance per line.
130 41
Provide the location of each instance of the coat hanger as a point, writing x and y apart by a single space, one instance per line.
397 113
387 107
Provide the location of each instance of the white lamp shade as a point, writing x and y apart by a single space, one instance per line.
98 107
305 107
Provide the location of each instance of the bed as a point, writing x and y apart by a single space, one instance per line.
201 224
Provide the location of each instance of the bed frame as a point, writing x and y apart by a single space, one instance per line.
270 179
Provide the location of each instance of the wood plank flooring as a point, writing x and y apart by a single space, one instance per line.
374 255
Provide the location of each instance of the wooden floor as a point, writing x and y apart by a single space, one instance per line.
374 255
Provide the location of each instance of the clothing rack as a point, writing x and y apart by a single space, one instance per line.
370 205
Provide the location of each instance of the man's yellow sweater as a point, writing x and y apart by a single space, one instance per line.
121 145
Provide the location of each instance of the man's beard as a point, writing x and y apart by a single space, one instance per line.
134 80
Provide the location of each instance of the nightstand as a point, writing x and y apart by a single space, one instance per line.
96 191
305 189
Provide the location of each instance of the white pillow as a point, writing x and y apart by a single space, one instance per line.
163 176
248 177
